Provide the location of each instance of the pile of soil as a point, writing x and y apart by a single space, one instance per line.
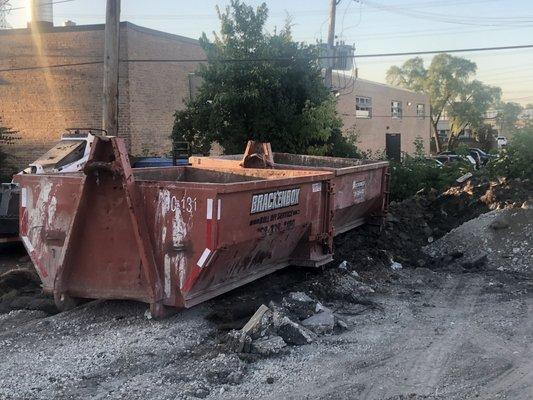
423 218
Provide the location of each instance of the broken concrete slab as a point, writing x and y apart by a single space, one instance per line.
299 304
294 334
323 322
268 346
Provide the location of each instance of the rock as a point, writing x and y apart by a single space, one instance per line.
343 265
527 205
476 262
267 347
259 324
341 324
319 307
499 223
299 304
395 266
270 380
320 323
294 334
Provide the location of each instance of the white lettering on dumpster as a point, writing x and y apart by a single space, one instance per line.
359 190
173 203
274 200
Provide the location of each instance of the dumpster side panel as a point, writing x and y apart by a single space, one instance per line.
358 196
257 232
208 242
180 231
104 260
46 209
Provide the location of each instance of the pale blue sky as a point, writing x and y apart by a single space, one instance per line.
377 26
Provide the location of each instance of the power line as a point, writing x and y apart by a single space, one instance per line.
42 4
282 59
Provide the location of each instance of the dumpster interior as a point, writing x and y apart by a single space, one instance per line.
304 160
220 175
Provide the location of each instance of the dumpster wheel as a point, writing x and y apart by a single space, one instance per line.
65 302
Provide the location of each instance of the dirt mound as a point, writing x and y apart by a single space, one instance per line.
421 219
20 289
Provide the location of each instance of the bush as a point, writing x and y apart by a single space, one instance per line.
414 174
515 161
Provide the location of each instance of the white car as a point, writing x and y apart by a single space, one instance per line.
501 141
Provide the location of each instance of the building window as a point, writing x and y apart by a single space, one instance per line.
421 110
363 107
396 109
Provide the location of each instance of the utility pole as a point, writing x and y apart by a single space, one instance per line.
331 42
111 59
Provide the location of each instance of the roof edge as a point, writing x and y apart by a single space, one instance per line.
96 27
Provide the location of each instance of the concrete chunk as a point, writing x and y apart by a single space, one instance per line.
294 334
299 304
320 323
268 346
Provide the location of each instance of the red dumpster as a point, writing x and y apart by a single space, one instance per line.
172 236
360 187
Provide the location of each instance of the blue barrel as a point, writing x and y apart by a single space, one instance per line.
147 162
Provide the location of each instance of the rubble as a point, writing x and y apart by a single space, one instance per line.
299 304
260 323
322 322
293 333
268 346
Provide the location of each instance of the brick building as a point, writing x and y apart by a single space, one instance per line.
41 103
383 117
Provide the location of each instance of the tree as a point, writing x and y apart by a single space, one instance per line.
448 84
507 116
280 98
469 109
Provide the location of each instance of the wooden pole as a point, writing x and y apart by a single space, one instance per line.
111 60
328 79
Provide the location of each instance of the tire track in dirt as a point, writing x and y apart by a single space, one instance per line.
423 366
520 376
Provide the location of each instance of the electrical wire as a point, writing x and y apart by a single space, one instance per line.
281 59
41 4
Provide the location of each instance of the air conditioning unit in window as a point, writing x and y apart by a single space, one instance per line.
362 114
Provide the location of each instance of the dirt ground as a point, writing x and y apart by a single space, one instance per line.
454 322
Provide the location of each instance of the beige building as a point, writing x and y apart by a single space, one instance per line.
383 117
41 103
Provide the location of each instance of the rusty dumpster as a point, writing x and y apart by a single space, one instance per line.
360 187
170 236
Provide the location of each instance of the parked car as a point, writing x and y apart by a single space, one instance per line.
480 156
449 157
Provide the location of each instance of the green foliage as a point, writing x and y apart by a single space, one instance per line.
419 148
469 109
485 136
507 116
281 101
451 91
415 173
516 160
7 137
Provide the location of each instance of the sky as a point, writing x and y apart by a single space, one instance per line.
373 26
